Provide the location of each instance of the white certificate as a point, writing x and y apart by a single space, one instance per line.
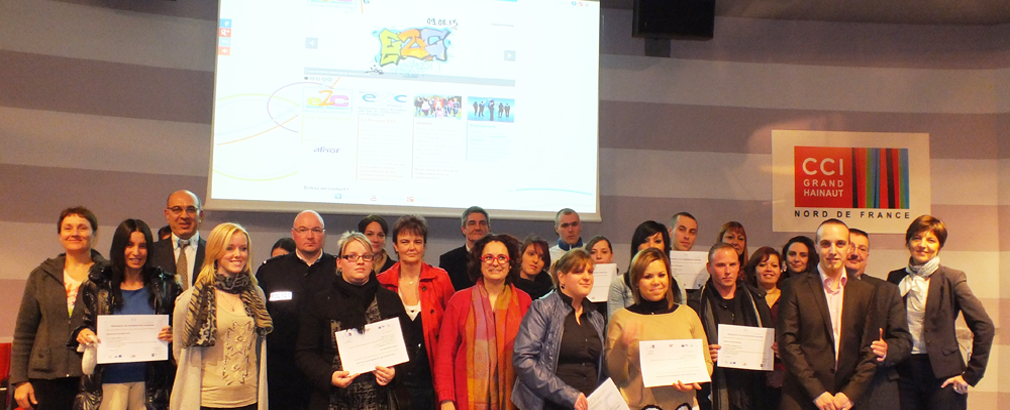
602 276
664 362
381 345
607 397
688 267
746 347
131 338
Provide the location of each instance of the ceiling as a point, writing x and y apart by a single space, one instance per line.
958 12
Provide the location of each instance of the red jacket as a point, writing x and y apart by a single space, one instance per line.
434 290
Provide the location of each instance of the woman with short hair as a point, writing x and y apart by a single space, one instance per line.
473 368
424 291
654 316
45 370
559 347
935 376
356 299
733 233
219 337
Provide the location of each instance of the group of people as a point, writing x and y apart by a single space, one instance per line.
501 323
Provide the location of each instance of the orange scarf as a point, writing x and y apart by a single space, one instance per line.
490 378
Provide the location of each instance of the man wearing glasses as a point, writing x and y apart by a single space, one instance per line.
289 281
182 254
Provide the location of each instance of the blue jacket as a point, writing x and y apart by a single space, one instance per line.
535 357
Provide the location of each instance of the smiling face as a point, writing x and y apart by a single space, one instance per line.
409 246
654 241
494 265
684 232
601 252
797 257
578 283
768 272
184 214
923 246
376 236
737 239
76 234
860 254
236 255
833 247
136 252
353 266
655 282
533 261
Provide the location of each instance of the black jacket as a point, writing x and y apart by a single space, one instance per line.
882 392
454 262
162 254
97 294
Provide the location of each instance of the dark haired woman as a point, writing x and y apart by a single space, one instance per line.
473 368
128 286
648 234
376 229
799 256
45 370
424 291
536 261
559 347
935 376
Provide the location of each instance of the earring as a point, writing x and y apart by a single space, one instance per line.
562 286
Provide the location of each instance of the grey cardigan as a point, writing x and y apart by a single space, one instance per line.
42 334
535 354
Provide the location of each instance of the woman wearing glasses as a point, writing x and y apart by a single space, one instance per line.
220 328
473 370
424 291
355 300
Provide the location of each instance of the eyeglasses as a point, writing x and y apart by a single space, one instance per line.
354 257
303 230
176 210
490 259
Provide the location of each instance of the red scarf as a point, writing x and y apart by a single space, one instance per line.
490 377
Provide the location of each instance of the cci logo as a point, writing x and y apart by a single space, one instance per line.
837 177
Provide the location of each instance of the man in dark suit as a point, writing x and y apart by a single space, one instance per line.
823 330
475 224
288 282
183 253
894 343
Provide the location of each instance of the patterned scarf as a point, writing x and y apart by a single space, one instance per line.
917 277
490 378
201 321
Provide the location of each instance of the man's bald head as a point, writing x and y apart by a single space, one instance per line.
309 233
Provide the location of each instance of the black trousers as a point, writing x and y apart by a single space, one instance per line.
253 406
919 388
55 394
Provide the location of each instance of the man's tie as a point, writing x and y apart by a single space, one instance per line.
182 264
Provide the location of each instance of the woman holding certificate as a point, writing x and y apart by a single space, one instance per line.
559 347
935 376
355 300
219 334
44 369
128 286
473 367
424 291
653 316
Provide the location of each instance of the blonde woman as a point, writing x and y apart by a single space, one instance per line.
220 330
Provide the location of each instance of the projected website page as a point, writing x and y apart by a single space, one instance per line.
421 103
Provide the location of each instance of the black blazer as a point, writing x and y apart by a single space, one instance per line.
806 342
454 262
162 254
949 295
882 392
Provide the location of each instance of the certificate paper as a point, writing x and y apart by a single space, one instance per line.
602 276
688 267
664 362
381 345
131 338
746 347
607 397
